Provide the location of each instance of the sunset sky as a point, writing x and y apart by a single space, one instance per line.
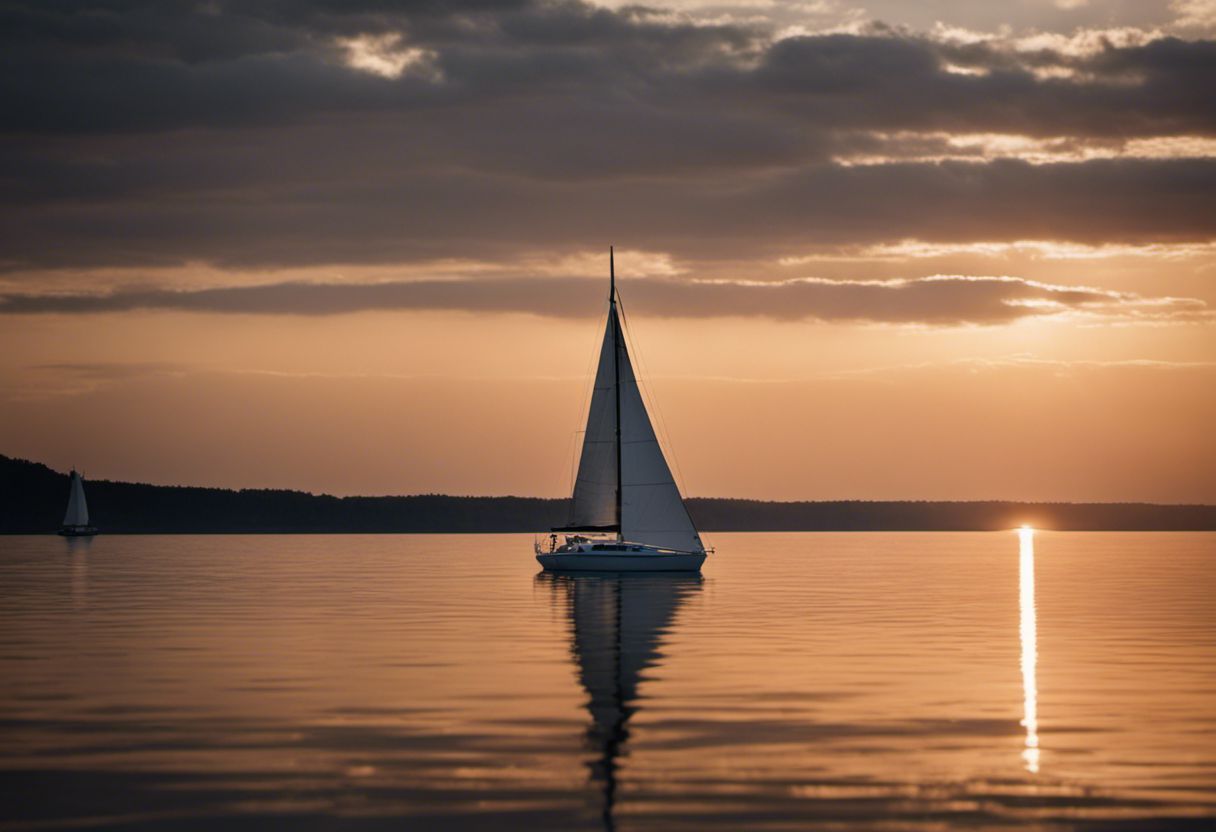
959 249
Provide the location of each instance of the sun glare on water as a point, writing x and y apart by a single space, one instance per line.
1029 634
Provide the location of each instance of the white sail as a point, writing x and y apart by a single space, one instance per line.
78 510
651 509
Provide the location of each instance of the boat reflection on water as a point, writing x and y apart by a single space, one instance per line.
78 548
617 625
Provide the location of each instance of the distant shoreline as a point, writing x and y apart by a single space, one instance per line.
33 496
296 533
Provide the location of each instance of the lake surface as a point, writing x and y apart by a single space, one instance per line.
806 681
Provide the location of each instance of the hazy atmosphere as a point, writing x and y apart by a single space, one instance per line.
936 250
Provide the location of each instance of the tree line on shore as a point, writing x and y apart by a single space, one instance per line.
33 496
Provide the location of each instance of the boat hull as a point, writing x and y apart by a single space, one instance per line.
77 531
621 561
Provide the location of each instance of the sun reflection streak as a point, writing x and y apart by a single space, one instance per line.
1030 654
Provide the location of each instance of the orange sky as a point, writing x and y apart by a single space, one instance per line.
403 402
864 253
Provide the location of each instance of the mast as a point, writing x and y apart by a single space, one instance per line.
657 514
616 387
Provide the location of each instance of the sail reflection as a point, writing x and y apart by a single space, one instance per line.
1030 654
617 623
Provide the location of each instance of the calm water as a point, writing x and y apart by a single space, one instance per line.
825 681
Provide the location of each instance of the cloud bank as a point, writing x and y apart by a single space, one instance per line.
269 134
940 300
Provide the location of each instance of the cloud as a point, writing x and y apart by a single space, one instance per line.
102 371
387 56
264 133
353 211
1056 367
882 148
941 300
174 66
911 250
1195 14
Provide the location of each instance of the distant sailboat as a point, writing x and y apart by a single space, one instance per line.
624 486
76 518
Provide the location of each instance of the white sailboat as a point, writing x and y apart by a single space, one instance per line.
626 512
76 518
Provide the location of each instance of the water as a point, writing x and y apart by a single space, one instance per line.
821 681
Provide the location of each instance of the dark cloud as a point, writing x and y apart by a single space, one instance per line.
237 133
356 209
938 301
97 67
902 82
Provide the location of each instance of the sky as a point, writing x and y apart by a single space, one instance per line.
884 250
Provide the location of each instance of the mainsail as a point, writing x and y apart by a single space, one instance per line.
624 483
78 510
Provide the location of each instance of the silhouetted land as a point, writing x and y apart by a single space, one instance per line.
32 500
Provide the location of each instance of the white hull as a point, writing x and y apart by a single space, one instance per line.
622 561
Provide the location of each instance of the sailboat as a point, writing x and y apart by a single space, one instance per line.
627 514
76 518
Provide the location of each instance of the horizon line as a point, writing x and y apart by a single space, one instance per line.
417 495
